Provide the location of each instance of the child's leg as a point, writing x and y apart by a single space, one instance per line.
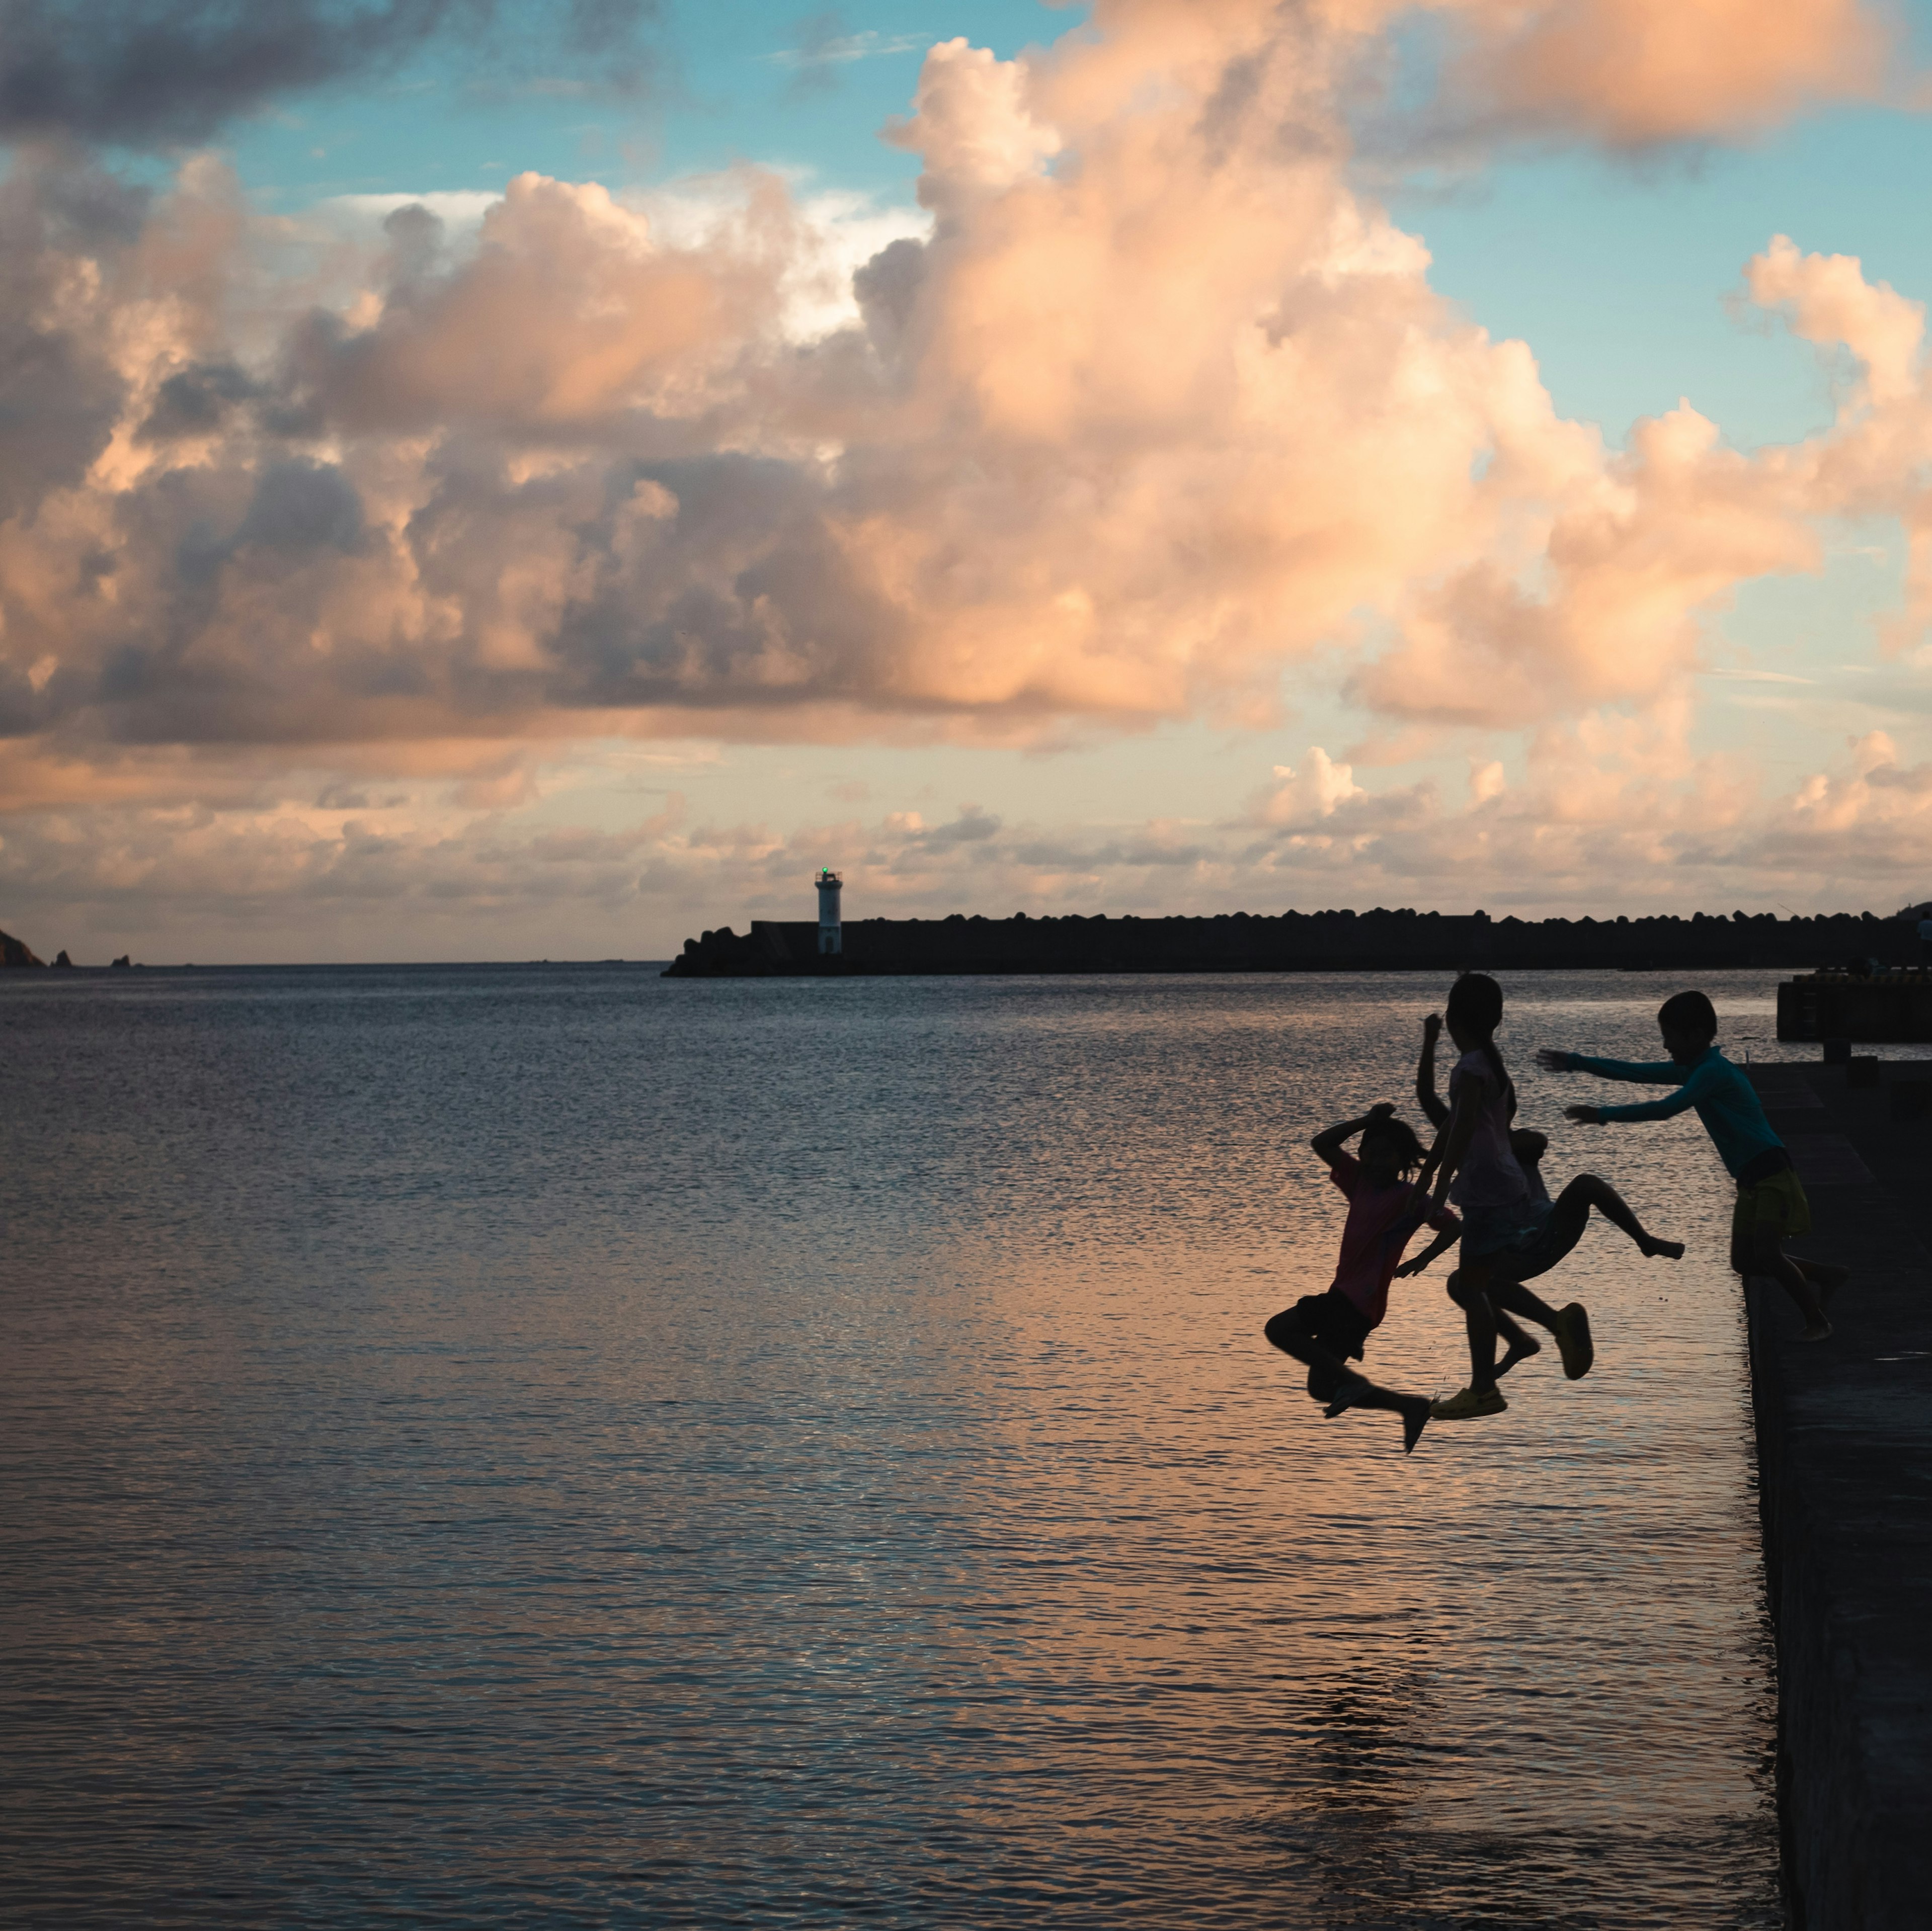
1468 1289
1361 1393
1517 1298
1768 1257
1571 1325
1826 1276
1757 1247
1572 1211
1289 1333
1348 1388
1506 1295
1519 1344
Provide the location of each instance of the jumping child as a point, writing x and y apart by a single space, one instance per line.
1562 1226
1323 1331
1771 1204
1501 1214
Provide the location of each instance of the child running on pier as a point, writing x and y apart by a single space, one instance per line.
1486 1314
1771 1204
1325 1331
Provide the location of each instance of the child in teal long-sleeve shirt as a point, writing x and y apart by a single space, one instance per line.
1771 1204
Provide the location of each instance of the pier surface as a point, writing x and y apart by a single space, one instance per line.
1844 1431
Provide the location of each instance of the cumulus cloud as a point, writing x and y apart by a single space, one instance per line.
1300 797
1826 300
581 460
1151 414
577 466
1871 815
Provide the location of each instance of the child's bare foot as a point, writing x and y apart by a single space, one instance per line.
1518 1350
1655 1249
1819 1330
1415 1418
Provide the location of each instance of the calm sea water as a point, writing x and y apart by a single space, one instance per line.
491 1447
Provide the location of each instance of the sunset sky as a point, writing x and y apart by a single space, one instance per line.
499 482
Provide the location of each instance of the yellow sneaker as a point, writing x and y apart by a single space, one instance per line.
1469 1404
1573 1340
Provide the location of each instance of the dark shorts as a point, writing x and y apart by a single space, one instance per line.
1341 1328
1510 1230
1536 1257
1768 1213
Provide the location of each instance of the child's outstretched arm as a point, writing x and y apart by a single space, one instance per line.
1425 1095
1698 1083
1681 1100
1645 1072
1331 1140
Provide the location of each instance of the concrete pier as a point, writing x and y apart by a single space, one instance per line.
1844 1431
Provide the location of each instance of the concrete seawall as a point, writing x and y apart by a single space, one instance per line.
1844 1435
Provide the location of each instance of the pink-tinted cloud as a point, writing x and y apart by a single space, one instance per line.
1162 415
1637 73
570 471
1826 300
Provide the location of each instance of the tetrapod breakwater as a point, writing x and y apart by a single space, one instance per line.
1380 940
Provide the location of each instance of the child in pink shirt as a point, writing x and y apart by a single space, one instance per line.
1325 1331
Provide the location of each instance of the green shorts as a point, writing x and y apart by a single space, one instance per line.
1776 1209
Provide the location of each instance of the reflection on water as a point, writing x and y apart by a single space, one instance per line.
491 1446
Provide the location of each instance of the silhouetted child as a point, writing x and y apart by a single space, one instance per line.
1771 1205
1560 1229
1502 1215
1326 1331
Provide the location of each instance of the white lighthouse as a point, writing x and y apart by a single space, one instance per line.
830 940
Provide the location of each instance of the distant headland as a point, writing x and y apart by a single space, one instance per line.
17 954
1333 941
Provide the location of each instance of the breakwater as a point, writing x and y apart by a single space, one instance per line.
1844 1438
1329 941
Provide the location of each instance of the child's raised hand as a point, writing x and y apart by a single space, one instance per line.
1432 1028
1583 1116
